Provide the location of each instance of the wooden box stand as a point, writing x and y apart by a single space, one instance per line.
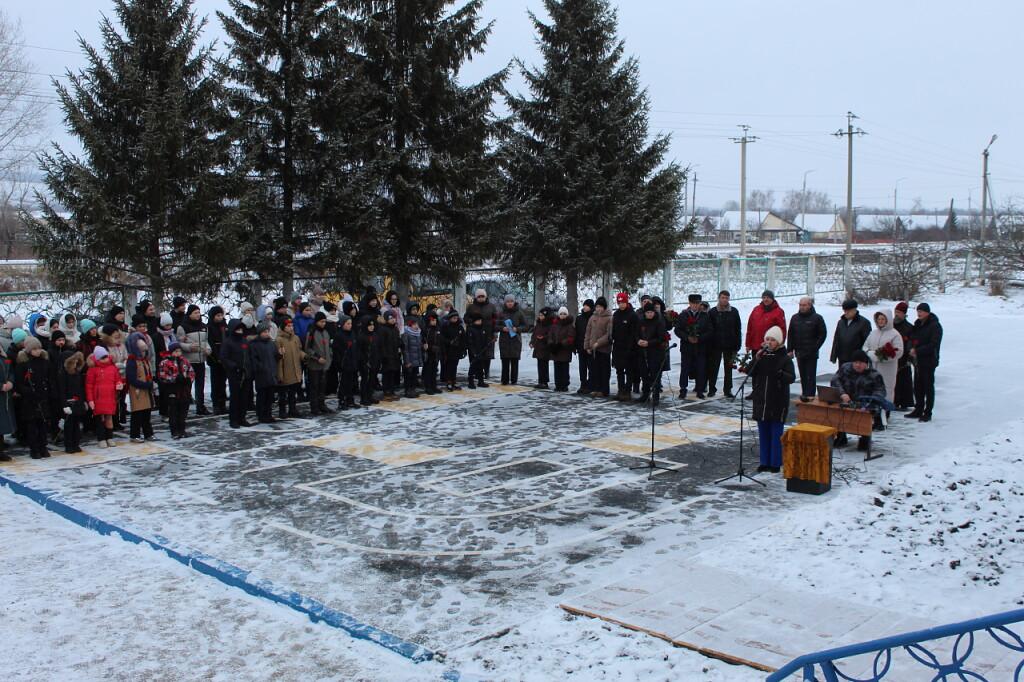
807 458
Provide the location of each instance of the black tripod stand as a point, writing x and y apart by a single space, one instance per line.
651 465
741 473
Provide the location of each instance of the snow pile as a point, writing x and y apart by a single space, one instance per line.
555 645
941 538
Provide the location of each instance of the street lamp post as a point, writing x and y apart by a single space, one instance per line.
984 188
895 214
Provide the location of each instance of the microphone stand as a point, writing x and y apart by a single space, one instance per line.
741 473
651 465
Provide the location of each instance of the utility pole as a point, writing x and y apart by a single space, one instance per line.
848 134
803 202
895 214
984 189
742 141
693 208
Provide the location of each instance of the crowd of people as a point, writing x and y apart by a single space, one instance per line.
62 376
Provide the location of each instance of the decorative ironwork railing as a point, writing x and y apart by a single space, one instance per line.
885 650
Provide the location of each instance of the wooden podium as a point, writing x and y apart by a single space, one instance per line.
807 458
846 419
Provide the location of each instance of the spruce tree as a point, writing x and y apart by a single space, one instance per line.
142 205
286 73
425 141
592 191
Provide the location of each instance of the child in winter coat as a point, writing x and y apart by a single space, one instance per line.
264 370
318 361
102 382
90 337
369 361
453 337
477 342
289 369
390 354
32 382
412 354
138 372
71 389
540 343
176 376
112 338
346 358
431 352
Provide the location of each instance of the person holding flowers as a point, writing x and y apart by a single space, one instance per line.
884 346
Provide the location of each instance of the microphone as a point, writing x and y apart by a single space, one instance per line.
673 346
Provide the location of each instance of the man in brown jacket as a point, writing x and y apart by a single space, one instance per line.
598 345
289 370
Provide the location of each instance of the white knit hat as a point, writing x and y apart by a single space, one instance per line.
774 333
166 319
563 311
480 292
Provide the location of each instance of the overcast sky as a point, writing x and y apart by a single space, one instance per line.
931 81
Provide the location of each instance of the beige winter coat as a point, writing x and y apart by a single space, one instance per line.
598 338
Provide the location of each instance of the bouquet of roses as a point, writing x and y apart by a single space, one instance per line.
672 316
743 364
886 352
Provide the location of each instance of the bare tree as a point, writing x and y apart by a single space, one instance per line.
761 200
798 201
22 115
22 110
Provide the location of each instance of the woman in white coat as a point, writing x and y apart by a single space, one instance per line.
884 333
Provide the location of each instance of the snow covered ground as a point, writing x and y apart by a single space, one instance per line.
935 527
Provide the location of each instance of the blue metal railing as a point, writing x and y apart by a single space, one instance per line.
912 643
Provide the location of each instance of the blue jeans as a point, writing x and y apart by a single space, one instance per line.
769 436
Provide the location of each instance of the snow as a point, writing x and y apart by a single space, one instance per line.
934 528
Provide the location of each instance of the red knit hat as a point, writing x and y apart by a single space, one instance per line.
622 297
902 306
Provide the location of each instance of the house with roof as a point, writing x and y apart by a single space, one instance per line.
821 227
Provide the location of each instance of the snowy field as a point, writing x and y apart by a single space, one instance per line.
935 528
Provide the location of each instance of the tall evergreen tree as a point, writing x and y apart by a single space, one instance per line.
424 144
288 73
143 204
593 193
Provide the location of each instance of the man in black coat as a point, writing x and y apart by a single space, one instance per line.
807 334
726 340
624 349
903 396
586 312
693 327
857 380
926 341
237 363
852 331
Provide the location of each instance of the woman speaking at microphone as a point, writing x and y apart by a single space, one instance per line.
772 374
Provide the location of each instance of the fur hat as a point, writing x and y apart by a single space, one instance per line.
621 297
99 352
860 356
563 311
902 306
602 301
280 302
774 333
850 304
166 319
31 343
19 335
86 325
694 298
924 307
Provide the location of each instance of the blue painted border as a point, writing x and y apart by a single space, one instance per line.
230 575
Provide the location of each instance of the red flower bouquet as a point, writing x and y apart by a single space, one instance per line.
886 352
